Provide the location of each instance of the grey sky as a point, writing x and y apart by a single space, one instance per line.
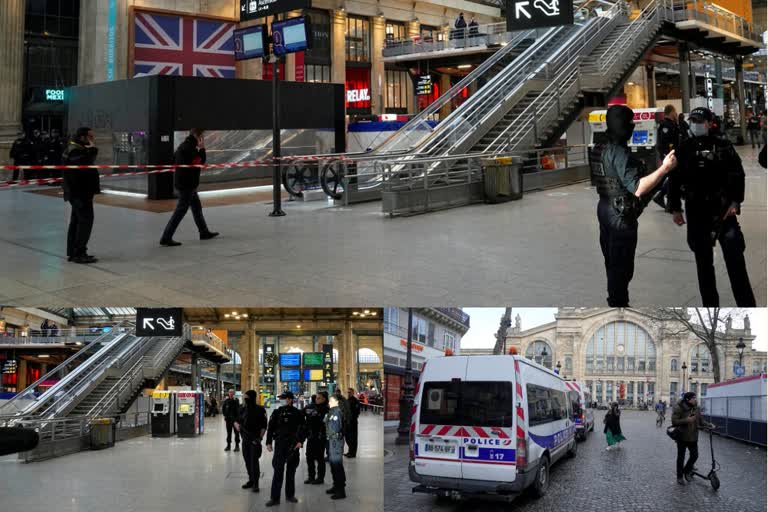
485 322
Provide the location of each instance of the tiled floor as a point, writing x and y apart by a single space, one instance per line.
540 251
188 474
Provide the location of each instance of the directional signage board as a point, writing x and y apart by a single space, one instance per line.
527 14
738 370
328 375
159 322
253 9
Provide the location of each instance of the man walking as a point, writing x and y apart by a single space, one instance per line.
287 430
190 153
80 186
687 418
354 414
230 409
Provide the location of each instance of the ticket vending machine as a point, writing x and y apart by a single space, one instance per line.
642 143
163 413
190 407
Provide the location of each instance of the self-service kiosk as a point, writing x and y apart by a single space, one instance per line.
163 413
642 143
190 408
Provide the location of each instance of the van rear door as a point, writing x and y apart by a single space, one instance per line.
436 445
488 441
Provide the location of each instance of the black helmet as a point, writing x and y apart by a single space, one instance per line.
619 121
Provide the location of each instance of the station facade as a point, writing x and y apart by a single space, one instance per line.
627 355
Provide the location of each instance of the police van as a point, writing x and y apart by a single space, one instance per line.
581 403
488 426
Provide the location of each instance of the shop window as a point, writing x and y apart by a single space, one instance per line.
394 32
396 91
358 39
429 34
317 73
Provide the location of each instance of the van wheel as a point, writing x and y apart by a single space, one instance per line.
541 484
572 452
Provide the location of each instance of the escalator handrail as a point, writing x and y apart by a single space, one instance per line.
100 339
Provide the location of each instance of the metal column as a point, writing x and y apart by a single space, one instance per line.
195 373
685 82
739 64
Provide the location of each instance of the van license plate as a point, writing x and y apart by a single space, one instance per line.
440 448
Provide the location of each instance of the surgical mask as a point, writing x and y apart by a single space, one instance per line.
283 402
699 129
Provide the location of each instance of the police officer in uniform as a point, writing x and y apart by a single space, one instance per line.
314 414
711 178
252 424
624 190
668 138
287 430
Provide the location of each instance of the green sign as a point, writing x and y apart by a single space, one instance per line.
54 94
313 359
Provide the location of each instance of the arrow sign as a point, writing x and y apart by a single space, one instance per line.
159 322
148 324
520 8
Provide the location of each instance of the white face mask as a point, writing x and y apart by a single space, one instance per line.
283 402
699 129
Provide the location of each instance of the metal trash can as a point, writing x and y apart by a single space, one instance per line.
102 433
502 179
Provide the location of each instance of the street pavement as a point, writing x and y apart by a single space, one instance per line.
640 476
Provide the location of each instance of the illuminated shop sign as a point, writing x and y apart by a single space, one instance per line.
358 88
54 94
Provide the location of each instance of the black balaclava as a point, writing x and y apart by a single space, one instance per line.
250 397
620 126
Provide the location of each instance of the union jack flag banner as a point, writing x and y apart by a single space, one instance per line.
169 44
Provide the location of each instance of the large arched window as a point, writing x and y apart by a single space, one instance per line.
701 359
621 347
673 365
535 350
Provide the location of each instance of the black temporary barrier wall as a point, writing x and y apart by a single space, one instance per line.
162 104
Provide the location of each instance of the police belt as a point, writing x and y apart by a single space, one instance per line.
335 436
609 186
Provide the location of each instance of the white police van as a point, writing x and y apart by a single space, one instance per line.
581 403
488 426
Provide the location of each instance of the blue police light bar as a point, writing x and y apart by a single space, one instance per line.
290 36
251 42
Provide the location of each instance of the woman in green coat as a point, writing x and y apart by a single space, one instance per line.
612 428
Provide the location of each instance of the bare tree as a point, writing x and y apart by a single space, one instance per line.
501 334
707 324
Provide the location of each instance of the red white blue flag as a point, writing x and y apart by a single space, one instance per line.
168 44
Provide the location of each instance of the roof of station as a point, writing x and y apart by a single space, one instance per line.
235 314
95 313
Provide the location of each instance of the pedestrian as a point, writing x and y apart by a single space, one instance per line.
190 153
252 424
22 153
668 138
686 417
351 432
230 409
314 414
214 406
711 174
623 189
682 124
287 429
334 426
612 428
80 186
459 25
473 26
753 127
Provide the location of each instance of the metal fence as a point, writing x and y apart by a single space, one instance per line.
490 34
740 417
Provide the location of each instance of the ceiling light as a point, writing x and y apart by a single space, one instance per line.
44 355
630 83
78 343
226 315
464 66
234 313
298 327
355 313
367 311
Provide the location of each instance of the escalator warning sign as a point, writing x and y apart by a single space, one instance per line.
159 322
527 14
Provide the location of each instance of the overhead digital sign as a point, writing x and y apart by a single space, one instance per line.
290 36
251 42
313 375
424 85
252 9
313 359
290 375
290 359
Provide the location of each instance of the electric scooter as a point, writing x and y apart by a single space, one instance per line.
712 475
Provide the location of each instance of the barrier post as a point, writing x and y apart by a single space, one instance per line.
277 208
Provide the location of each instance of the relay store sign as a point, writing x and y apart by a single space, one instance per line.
526 14
159 322
358 88
252 9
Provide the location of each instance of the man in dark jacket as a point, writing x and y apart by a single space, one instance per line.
252 424
230 409
287 430
186 180
687 418
316 440
80 185
22 153
351 433
668 139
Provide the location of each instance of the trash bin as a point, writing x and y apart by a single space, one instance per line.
102 433
502 179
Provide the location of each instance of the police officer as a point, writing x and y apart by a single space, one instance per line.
314 414
351 432
252 424
711 178
230 409
623 188
287 429
668 139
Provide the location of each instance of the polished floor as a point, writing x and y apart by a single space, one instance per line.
182 474
542 251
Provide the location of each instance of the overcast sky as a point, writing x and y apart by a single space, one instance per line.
484 323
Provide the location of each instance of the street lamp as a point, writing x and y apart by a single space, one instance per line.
740 346
684 367
404 429
558 367
543 355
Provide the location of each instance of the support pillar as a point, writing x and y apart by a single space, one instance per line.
12 63
338 51
195 373
719 90
21 376
650 84
378 86
445 84
739 65
217 391
685 83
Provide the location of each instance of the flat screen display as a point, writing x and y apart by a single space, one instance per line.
290 375
640 137
313 359
159 407
250 42
313 375
290 36
290 359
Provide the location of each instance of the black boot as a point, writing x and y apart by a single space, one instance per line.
272 503
332 490
340 494
247 485
229 447
237 447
